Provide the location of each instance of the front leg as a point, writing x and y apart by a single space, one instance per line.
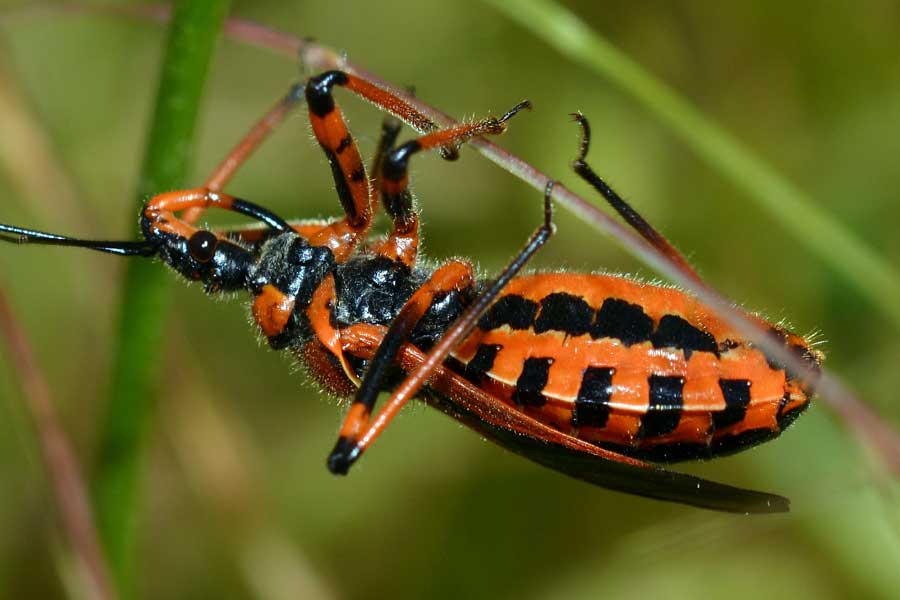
343 155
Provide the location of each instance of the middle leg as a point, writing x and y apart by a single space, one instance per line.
393 180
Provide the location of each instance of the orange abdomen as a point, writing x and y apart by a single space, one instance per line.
644 370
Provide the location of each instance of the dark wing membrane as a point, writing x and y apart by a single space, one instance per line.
527 437
650 481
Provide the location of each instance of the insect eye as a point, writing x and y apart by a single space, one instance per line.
202 246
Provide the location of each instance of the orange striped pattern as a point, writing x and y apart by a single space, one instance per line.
771 392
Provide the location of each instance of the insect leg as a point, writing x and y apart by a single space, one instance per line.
253 233
381 98
160 210
349 173
625 210
390 129
344 457
339 146
319 315
403 242
455 276
248 144
346 163
158 214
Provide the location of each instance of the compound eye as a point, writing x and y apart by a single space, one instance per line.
202 246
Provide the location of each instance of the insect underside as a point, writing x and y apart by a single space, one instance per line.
590 375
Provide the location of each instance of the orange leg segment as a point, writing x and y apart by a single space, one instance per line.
390 129
349 449
384 100
159 211
362 340
255 232
319 314
340 148
244 148
403 242
456 276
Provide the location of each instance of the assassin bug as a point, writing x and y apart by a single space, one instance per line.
590 375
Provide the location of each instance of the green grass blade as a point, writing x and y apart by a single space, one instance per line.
146 289
840 248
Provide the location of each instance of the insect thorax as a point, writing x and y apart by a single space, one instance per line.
368 288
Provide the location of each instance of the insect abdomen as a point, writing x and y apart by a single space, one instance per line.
643 370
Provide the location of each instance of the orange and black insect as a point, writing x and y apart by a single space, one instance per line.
590 375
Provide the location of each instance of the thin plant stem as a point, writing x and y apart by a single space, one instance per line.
195 28
63 470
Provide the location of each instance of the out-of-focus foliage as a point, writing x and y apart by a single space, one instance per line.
238 502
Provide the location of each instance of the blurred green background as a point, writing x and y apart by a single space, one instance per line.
236 500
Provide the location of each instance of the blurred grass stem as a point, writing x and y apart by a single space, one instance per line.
194 30
64 472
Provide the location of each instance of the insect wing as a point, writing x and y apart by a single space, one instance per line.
527 437
648 481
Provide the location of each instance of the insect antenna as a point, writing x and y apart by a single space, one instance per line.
19 235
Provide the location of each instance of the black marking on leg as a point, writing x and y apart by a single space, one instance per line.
342 456
396 162
531 382
399 206
343 189
344 144
675 332
481 363
592 404
512 310
260 214
623 321
664 411
318 92
564 312
737 399
358 174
